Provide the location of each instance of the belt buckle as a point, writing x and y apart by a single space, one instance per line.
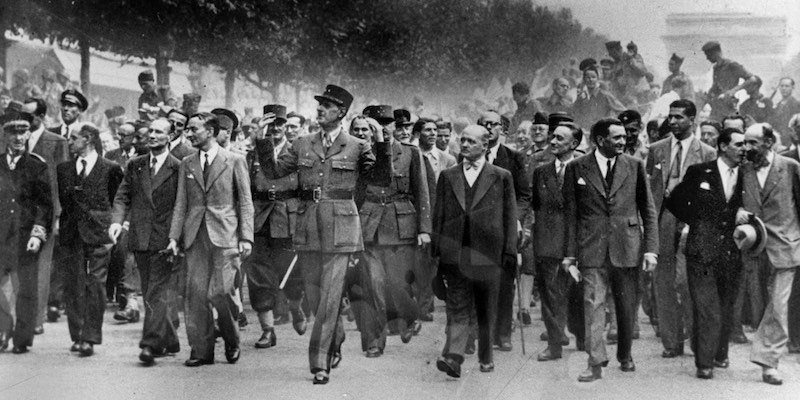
271 195
316 194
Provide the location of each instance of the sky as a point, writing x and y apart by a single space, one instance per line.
643 20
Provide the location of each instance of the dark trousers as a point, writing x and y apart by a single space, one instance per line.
622 282
211 272
423 274
794 313
18 296
160 300
398 263
367 294
673 304
713 289
553 284
85 272
505 306
575 315
466 296
324 275
55 296
751 295
123 276
265 269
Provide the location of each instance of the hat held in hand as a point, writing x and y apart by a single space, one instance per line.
751 238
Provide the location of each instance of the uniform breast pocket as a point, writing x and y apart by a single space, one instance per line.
343 171
346 229
406 220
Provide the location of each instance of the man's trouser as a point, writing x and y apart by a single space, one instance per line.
265 269
85 273
18 298
622 284
44 261
772 335
160 300
553 283
670 285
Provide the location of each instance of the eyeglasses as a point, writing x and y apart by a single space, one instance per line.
492 124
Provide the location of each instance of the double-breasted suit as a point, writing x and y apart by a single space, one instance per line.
713 263
147 201
777 203
212 214
328 229
474 234
669 276
604 234
794 299
85 217
26 210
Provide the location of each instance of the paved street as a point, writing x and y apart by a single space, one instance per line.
50 371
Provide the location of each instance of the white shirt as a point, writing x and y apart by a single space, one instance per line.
602 162
685 143
35 136
333 134
175 143
66 129
762 172
212 153
492 154
433 157
728 179
472 173
560 165
160 159
12 161
91 160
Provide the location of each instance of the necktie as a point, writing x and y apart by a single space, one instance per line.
206 168
153 162
560 174
729 184
472 165
609 174
675 171
12 162
326 140
82 173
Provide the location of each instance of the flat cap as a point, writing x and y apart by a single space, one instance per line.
711 46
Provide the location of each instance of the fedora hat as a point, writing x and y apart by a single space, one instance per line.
751 238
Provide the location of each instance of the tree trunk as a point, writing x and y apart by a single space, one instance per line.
297 103
86 56
3 43
230 85
162 69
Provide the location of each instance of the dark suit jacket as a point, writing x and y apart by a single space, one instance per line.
604 226
182 150
147 202
223 202
86 208
792 153
547 204
119 157
24 202
699 201
659 164
778 205
53 148
514 162
492 220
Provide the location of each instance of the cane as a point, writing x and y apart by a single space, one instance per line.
519 300
288 272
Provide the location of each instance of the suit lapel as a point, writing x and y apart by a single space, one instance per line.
773 177
95 172
620 174
592 172
694 156
716 183
666 162
143 169
217 166
482 184
163 174
197 170
751 187
551 182
458 182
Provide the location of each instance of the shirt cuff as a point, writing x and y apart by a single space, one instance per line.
40 232
652 254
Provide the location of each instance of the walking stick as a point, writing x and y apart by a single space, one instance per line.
288 271
519 300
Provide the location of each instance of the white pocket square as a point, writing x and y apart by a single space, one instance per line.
190 176
705 186
658 166
581 181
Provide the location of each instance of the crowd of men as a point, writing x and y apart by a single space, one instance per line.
696 222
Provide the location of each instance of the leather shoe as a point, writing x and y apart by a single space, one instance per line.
739 338
487 367
416 327
591 374
427 317
321 378
336 358
449 366
38 330
705 373
76 347
19 349
548 355
374 352
627 366
196 362
173 348
127 315
86 349
470 347
722 363
407 334
299 322
242 321
267 339
232 354
505 346
671 353
612 337
52 314
544 336
771 376
4 338
146 356
525 317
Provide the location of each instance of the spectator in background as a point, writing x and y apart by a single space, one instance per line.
149 94
709 132
22 88
594 103
653 134
735 121
51 93
784 109
559 100
757 106
674 66
526 106
295 126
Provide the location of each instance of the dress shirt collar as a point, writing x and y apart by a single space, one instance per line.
35 136
333 134
12 160
160 159
492 154
175 143
602 160
212 153
91 160
560 164
478 164
724 168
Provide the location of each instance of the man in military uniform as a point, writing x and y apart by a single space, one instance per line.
26 209
526 106
674 66
727 75
276 203
73 104
559 101
627 72
328 230
757 107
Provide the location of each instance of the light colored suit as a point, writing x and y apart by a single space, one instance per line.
212 217
670 276
778 205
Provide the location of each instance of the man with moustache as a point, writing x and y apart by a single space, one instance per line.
73 104
667 162
146 198
555 284
707 200
87 186
276 203
26 210
784 110
53 148
475 237
213 219
177 146
329 164
771 192
606 195
403 126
